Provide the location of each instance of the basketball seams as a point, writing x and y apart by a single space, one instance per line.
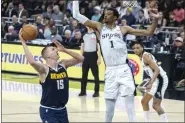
26 35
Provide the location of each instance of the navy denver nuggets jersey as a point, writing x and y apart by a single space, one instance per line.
55 89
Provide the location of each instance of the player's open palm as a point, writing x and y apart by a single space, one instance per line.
20 36
59 46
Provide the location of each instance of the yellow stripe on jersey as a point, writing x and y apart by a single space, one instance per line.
58 75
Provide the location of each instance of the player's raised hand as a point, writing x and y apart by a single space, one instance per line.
59 46
154 14
153 10
20 36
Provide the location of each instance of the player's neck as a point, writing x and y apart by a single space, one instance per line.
51 63
140 55
111 25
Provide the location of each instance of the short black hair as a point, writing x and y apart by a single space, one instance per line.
137 42
115 12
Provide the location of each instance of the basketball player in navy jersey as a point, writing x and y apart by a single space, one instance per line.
53 79
157 84
118 76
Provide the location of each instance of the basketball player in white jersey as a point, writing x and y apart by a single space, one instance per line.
157 84
118 76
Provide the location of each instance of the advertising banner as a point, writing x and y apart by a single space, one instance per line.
13 59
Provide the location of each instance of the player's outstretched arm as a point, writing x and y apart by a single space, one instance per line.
77 58
142 32
84 20
148 60
39 67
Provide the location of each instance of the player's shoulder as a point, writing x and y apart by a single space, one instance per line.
61 65
124 29
147 56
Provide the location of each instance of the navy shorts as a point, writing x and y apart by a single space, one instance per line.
53 116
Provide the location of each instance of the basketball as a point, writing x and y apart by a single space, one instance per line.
29 32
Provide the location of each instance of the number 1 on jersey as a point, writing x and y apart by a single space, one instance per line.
112 45
60 84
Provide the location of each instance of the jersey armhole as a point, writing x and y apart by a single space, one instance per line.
45 75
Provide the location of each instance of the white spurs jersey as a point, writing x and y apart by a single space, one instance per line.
114 49
148 70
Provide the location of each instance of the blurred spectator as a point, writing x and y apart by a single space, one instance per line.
83 11
90 11
67 38
48 12
178 14
24 21
146 10
16 24
94 3
55 35
84 3
162 21
61 4
11 35
179 51
37 6
57 16
104 4
76 41
122 9
11 10
141 19
97 14
39 24
66 26
22 12
123 22
47 28
171 20
182 28
129 17
77 26
4 28
113 4
4 6
182 35
136 9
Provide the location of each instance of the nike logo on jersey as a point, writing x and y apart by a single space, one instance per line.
109 36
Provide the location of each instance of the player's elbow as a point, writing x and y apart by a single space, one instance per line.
32 63
81 59
148 33
157 70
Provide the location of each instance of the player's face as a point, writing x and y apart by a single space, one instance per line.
108 16
138 49
52 53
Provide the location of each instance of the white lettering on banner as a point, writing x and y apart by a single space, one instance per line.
31 89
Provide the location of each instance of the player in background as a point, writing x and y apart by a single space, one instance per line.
53 79
157 84
118 76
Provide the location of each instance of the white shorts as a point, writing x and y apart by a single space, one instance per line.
118 81
159 87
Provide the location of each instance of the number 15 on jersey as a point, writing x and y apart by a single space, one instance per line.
60 84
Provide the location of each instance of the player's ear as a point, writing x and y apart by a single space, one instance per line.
115 18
